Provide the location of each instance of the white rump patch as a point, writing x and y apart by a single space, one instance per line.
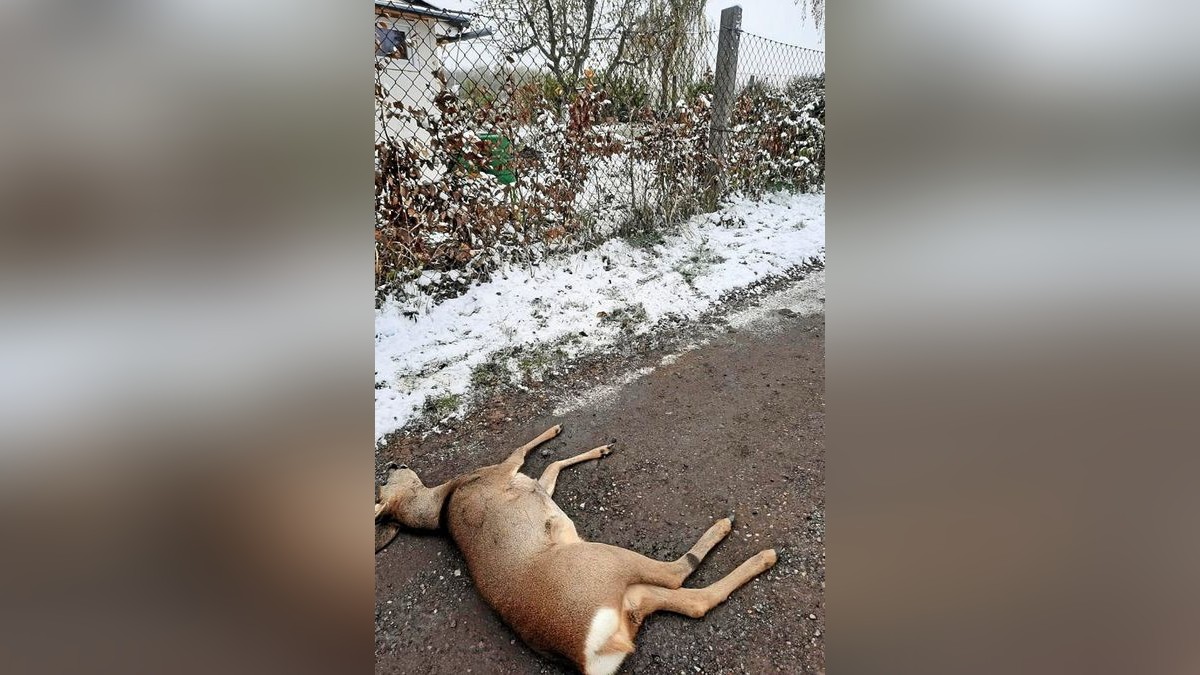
604 624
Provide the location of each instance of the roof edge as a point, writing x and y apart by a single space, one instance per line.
453 18
448 39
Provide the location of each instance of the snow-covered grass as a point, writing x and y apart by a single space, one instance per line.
572 300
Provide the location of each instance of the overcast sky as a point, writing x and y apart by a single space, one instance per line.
781 20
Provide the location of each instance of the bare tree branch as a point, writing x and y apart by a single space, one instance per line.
649 46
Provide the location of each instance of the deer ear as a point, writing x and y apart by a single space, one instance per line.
384 534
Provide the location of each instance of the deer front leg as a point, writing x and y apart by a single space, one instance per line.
517 458
550 475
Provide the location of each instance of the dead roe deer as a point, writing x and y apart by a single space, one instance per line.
582 600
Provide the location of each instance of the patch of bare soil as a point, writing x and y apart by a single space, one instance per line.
733 427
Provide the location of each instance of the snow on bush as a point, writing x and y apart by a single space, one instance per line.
443 221
779 138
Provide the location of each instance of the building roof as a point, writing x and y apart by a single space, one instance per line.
425 10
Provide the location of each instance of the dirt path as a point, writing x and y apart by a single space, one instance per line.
736 426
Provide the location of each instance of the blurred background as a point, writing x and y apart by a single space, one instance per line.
1012 363
187 295
185 402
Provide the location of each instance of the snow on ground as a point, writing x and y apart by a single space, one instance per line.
804 298
576 300
601 395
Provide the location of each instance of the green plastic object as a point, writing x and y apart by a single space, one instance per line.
502 154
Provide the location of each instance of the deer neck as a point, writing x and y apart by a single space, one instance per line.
425 509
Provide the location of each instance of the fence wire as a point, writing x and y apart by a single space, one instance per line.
485 156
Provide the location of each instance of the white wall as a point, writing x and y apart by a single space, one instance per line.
411 81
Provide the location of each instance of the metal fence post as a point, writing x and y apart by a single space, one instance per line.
724 88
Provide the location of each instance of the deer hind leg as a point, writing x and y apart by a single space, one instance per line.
517 458
669 575
550 475
707 542
642 600
673 574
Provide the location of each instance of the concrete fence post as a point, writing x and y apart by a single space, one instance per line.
724 91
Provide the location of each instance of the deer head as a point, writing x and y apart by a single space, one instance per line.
404 500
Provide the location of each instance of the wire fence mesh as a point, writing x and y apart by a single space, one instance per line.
486 153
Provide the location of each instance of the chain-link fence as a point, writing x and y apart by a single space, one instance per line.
487 153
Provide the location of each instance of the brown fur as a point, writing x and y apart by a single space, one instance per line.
530 565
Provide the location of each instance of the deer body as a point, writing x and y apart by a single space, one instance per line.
581 600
